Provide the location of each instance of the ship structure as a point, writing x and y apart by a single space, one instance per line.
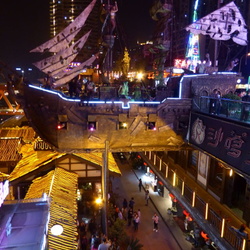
193 153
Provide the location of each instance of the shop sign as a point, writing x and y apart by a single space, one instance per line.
41 146
226 141
4 191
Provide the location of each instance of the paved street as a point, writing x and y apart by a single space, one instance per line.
169 236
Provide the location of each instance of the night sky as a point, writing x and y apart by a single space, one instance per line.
24 24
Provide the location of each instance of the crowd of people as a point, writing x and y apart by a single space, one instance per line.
217 107
96 240
84 88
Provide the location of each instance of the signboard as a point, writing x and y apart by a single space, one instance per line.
203 168
225 140
41 146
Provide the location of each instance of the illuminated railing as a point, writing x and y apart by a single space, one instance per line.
124 104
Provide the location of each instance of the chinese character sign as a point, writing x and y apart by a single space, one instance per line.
227 141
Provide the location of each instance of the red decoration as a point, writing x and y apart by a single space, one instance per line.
172 196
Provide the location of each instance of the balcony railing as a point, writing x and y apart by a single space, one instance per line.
231 109
220 224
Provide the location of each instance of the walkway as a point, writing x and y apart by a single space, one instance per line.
169 236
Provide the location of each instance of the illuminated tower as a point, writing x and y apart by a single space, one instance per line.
193 50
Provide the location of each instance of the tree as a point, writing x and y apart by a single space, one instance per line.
117 231
133 244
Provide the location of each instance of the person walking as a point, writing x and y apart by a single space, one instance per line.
139 214
84 242
104 245
125 203
130 216
120 216
140 185
131 203
147 197
155 219
136 221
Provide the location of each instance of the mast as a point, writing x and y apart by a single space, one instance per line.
162 14
108 29
215 64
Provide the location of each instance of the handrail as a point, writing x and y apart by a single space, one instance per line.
227 108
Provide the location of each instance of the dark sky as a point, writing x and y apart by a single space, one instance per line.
24 24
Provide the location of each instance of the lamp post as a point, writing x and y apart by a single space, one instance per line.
246 55
105 189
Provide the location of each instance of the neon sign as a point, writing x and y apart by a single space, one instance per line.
4 191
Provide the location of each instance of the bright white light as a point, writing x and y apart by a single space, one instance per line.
57 230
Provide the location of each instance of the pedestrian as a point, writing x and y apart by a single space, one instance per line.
84 242
49 81
131 203
147 197
124 213
215 102
92 227
125 204
139 214
95 242
130 216
120 216
155 219
90 89
136 221
116 211
245 107
82 228
140 185
104 245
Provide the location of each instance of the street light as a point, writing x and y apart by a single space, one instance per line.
57 229
248 54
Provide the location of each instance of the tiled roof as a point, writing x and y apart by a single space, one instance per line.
60 186
9 149
97 159
26 133
33 160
